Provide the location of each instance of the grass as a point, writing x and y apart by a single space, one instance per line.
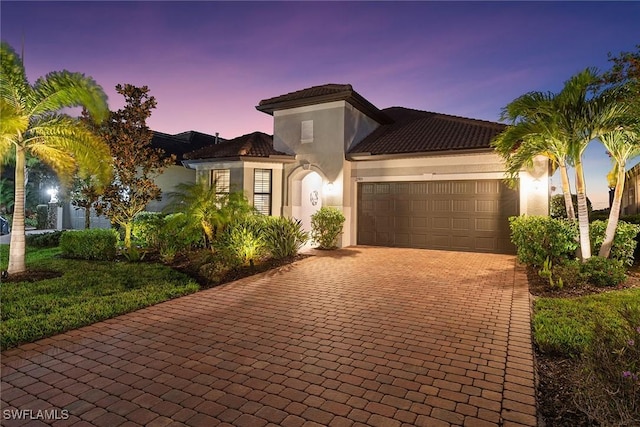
87 292
565 326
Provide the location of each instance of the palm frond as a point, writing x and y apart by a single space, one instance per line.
14 86
62 136
62 89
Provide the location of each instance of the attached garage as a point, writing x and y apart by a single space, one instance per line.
470 215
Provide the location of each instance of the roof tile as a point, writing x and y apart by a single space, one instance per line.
414 131
256 144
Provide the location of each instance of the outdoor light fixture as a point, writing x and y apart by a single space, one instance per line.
53 193
330 187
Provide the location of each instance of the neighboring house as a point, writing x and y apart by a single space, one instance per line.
176 145
401 177
630 202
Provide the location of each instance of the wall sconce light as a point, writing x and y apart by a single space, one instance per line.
53 194
330 187
536 184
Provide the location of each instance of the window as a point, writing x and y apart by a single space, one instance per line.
262 190
306 132
221 178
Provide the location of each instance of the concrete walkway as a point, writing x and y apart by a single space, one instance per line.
357 337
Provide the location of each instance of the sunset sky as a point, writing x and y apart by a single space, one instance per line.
209 63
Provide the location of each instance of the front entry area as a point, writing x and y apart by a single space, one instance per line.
470 215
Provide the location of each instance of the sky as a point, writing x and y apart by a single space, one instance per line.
208 63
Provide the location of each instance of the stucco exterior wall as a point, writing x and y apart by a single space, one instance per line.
336 127
168 181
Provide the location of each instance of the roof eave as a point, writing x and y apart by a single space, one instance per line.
366 156
350 96
279 158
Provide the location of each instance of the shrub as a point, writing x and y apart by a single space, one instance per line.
146 228
570 273
557 208
241 242
604 271
538 238
175 235
97 244
624 241
326 227
608 383
283 237
42 217
44 240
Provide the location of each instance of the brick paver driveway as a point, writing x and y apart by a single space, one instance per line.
360 336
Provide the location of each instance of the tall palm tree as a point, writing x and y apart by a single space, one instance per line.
561 126
584 116
534 132
623 144
31 123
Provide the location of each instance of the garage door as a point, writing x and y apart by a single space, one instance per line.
451 215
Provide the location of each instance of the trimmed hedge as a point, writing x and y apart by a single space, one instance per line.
97 244
45 240
624 242
538 238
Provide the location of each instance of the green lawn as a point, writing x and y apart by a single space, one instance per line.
566 325
87 292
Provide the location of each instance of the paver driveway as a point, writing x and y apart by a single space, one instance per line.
360 336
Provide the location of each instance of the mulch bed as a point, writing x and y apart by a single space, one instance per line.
555 374
31 276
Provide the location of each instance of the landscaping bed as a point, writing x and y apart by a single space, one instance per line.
561 396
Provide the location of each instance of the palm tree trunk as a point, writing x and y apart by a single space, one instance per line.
128 226
566 191
614 214
583 213
17 247
87 217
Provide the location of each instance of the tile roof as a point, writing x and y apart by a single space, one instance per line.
330 89
181 143
322 94
256 144
414 131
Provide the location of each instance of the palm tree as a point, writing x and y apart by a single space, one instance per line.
208 209
561 126
584 116
623 144
534 132
31 124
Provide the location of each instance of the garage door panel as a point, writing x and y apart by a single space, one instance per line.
441 223
419 222
440 206
488 244
461 224
455 215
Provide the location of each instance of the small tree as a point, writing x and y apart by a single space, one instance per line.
85 194
136 163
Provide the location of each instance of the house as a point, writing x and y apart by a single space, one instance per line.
630 203
176 145
248 163
401 177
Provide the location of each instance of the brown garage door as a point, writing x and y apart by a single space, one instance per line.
452 215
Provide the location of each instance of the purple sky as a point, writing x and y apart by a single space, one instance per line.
209 63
